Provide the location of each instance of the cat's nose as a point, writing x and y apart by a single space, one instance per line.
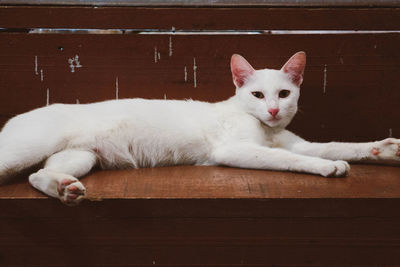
273 111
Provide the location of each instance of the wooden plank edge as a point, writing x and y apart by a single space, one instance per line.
216 3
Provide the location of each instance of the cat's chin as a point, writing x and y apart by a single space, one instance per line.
273 122
276 123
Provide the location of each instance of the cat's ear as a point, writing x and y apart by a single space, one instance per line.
294 67
241 70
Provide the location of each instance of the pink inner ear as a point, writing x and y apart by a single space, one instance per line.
295 67
241 70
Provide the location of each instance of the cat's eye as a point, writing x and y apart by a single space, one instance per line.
258 94
284 93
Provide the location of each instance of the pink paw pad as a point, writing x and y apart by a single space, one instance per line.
73 188
70 193
61 187
375 151
74 192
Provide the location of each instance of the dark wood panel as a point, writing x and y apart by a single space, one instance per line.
357 103
107 247
208 216
26 207
298 3
215 252
201 18
200 232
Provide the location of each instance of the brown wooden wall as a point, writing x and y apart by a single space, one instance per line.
350 91
206 216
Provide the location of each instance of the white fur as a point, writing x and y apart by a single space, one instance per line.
238 132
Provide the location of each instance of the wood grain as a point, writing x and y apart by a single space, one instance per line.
215 3
195 182
200 18
357 103
208 216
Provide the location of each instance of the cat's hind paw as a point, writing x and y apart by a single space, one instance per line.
337 168
59 185
71 192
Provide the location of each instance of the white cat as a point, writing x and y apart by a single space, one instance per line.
245 131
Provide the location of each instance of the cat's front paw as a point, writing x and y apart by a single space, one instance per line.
71 192
337 168
387 150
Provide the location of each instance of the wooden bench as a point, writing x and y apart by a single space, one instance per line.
207 216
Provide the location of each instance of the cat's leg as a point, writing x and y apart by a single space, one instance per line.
387 150
248 155
59 176
16 157
23 145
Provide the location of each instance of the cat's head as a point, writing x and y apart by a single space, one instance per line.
269 95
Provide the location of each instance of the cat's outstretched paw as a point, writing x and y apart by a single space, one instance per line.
63 186
71 191
337 168
387 150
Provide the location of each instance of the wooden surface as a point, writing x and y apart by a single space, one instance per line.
196 182
208 216
87 238
200 18
219 3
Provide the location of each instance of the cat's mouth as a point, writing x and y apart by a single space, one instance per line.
274 119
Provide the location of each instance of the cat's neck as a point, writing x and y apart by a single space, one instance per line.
232 103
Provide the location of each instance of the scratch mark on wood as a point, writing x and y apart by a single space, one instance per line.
194 73
155 54
36 66
48 97
116 88
248 187
170 46
185 71
74 63
78 64
325 76
41 75
77 101
71 64
261 187
165 96
159 56
390 132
